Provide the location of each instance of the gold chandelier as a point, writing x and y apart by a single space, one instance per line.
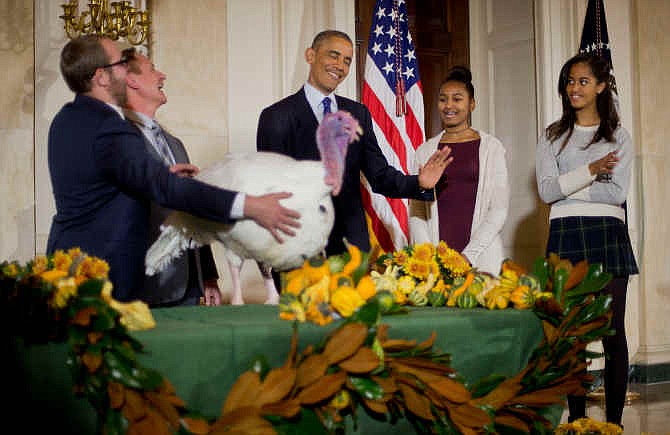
121 20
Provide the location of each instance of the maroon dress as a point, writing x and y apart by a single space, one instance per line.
456 194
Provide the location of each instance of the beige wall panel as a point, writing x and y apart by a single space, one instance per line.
17 188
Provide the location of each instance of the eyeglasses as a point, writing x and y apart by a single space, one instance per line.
122 61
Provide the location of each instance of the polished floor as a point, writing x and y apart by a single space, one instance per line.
648 411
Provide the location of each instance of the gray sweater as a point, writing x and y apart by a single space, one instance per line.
564 180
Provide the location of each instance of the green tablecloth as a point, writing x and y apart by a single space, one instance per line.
202 351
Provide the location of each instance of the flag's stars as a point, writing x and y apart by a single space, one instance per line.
388 68
394 14
381 12
376 48
410 55
391 32
389 50
409 72
378 30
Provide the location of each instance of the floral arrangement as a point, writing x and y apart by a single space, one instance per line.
357 365
587 426
323 290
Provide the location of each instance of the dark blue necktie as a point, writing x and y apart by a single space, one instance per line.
326 106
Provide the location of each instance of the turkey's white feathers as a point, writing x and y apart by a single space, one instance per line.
255 174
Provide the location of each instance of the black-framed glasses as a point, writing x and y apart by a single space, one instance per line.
122 61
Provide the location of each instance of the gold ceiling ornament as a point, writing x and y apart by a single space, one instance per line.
119 19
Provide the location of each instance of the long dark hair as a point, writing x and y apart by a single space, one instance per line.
609 118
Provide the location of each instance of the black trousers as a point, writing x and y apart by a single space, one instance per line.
616 359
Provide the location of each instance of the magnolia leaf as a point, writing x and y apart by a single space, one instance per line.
469 416
440 368
345 341
276 385
388 385
116 393
541 271
306 423
164 407
134 406
243 393
286 408
120 370
416 403
577 274
428 343
92 361
367 388
260 365
397 345
153 424
375 406
511 421
311 369
486 384
115 423
232 418
363 361
322 389
369 313
196 426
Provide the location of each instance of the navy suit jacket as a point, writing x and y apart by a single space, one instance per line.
104 180
289 127
184 276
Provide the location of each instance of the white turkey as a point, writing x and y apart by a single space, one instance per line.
259 173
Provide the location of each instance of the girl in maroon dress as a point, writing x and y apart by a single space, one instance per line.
473 193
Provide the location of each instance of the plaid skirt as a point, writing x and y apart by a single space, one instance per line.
602 240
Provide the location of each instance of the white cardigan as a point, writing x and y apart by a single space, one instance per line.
485 249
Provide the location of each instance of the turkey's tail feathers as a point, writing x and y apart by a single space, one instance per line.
169 246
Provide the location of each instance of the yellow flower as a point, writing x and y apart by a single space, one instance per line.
40 264
53 275
400 257
292 311
366 287
406 284
62 261
11 270
74 252
346 300
136 315
417 269
66 288
423 252
453 261
425 286
100 269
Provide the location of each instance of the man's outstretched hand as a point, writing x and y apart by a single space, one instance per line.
271 215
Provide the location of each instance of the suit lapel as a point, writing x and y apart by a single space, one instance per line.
177 148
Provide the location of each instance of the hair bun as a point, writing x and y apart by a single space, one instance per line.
460 73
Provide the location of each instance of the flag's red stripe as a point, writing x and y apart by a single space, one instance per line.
382 234
400 212
382 119
413 129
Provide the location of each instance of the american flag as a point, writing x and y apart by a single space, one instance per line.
595 39
392 92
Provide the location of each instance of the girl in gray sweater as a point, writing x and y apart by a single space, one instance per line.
583 171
